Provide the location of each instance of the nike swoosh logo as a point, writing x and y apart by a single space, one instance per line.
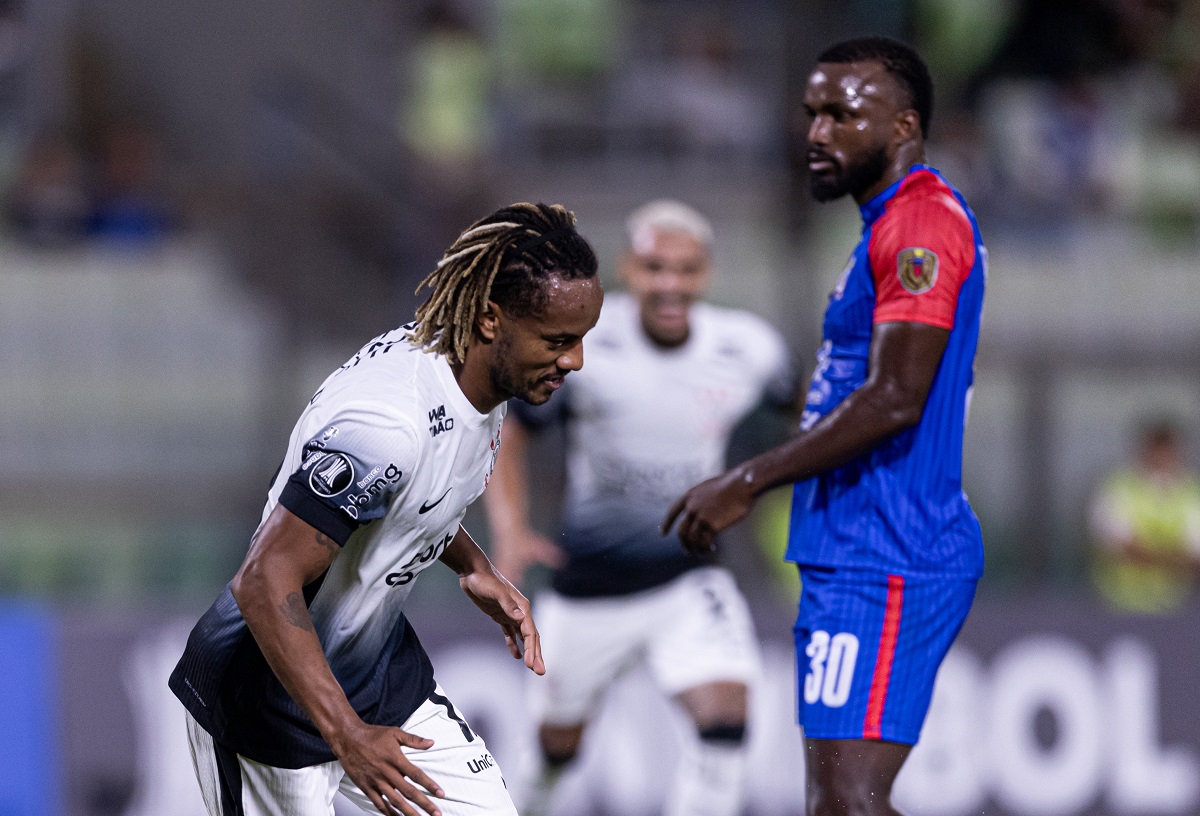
425 508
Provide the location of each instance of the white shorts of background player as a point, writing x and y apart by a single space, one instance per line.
692 631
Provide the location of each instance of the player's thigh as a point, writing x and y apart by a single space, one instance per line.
233 785
270 791
703 633
868 648
586 643
459 761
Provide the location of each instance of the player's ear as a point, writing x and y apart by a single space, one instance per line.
487 322
908 125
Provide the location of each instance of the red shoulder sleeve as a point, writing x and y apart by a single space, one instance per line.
921 249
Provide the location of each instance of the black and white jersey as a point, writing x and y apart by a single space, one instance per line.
384 460
644 424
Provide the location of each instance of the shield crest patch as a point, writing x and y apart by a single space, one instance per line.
917 269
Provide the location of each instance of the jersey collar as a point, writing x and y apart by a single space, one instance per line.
875 207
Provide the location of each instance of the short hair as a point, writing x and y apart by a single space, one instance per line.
507 258
898 59
668 215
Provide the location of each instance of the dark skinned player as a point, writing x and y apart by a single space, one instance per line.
888 547
304 677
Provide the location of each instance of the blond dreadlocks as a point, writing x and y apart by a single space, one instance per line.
506 258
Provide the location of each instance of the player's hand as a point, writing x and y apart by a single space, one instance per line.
708 508
372 757
503 603
515 553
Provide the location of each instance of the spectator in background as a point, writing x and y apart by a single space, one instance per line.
14 73
129 202
1183 53
557 42
554 62
1081 102
52 203
48 205
446 121
1146 524
719 109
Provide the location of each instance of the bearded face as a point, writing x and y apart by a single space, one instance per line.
853 112
834 180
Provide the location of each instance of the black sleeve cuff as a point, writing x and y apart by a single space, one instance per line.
308 508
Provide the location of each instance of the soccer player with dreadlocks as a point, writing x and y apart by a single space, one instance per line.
304 678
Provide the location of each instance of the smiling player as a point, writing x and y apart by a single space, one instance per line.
304 678
668 378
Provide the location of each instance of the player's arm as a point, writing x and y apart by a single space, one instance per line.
498 598
287 555
920 253
904 359
1114 529
516 546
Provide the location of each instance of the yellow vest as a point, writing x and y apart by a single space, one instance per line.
1159 517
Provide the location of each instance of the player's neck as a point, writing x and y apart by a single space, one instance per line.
476 384
907 155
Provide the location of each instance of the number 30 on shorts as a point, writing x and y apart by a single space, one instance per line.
830 668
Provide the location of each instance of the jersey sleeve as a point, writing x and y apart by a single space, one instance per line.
921 251
351 470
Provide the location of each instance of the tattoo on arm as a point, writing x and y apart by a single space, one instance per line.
327 542
296 612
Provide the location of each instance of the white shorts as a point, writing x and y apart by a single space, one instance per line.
463 767
692 631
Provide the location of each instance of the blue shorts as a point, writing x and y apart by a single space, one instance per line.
868 647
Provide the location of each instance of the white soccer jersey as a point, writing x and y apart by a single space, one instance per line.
644 424
385 460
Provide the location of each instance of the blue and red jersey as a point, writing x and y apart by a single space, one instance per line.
900 509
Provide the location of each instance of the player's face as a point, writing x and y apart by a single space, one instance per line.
666 271
535 353
852 111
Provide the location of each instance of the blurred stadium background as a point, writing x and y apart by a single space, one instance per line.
208 206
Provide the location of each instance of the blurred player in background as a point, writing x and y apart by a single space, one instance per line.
667 379
888 547
304 677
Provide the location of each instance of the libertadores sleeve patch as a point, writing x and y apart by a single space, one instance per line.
349 474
